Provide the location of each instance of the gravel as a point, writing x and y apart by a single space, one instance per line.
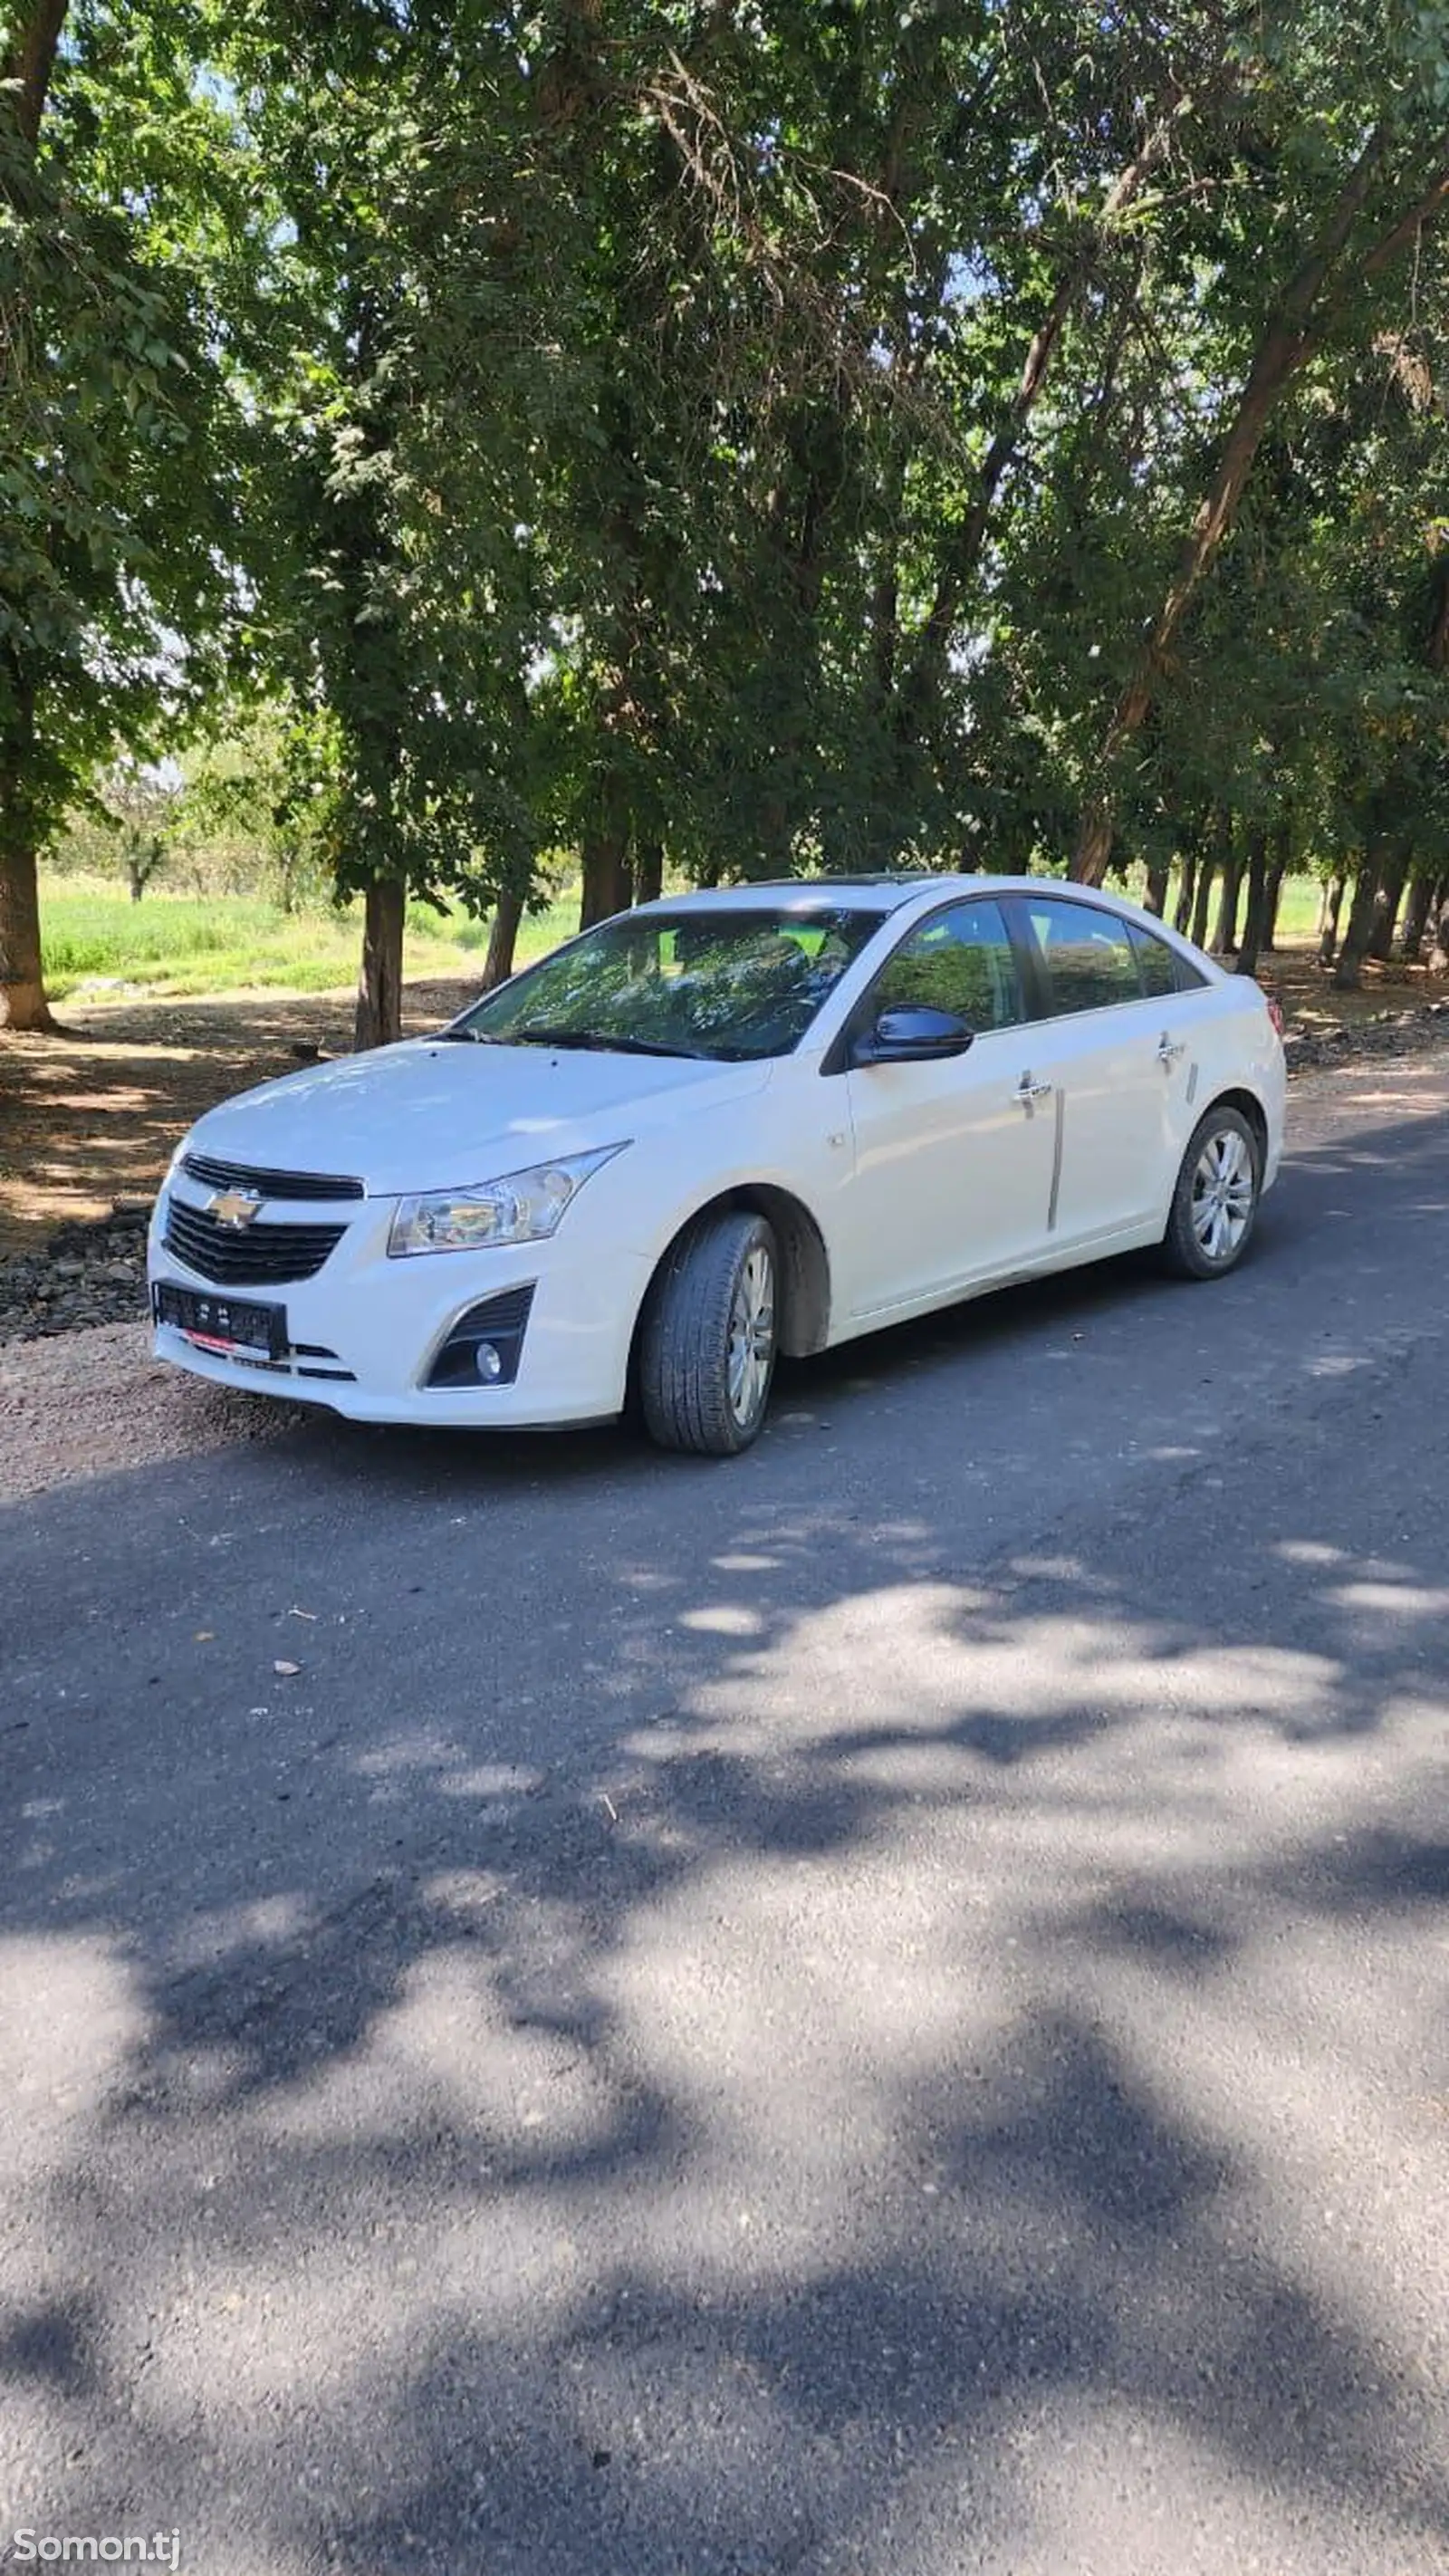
92 1400
83 1276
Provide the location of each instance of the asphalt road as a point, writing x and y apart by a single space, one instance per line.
875 2011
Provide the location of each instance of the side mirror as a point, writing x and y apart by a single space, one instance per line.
911 1034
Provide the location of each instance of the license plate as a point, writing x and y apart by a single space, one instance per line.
222 1324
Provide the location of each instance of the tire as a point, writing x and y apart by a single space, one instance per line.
1215 1204
710 1334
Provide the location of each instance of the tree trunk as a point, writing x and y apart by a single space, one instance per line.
502 940
649 870
1182 913
379 986
1439 944
607 886
1361 917
1225 933
1292 332
1156 895
1333 894
1281 845
1416 919
29 60
1386 909
22 987
1255 921
1201 900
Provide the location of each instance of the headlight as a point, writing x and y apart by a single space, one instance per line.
524 1207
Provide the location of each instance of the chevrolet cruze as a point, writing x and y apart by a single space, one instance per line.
719 1127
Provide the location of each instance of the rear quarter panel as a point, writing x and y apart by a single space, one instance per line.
1232 1045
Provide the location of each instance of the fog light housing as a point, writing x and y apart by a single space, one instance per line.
484 1347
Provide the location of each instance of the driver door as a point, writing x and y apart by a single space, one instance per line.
953 1160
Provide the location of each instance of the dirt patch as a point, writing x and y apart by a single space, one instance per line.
1311 1003
91 1402
93 1114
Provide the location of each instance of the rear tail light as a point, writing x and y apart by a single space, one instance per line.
1275 1012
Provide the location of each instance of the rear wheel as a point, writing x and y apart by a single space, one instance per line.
1215 1203
710 1334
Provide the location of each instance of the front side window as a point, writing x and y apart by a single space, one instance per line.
1088 955
960 961
726 983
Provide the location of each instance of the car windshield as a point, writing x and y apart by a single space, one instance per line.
728 983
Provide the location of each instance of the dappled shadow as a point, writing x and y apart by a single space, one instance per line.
815 2060
94 1113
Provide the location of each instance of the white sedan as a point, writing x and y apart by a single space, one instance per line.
718 1127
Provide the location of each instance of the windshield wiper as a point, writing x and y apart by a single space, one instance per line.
594 1039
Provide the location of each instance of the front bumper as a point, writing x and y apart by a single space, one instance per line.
366 1331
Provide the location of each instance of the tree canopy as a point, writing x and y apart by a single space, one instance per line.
731 436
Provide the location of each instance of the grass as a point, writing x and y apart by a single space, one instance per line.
181 945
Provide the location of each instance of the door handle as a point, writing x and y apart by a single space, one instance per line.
1167 1052
1027 1091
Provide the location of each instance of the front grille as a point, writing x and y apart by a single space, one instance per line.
253 1257
268 1184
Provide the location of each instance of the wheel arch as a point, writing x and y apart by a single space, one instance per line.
804 1262
1248 1106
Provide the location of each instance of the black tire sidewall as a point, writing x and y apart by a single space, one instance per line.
683 1374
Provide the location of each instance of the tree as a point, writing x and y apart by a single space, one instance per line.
141 804
116 447
1360 210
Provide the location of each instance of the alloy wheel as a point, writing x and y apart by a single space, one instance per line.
1224 1186
751 1335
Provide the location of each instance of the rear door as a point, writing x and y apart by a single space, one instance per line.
1108 1048
953 1161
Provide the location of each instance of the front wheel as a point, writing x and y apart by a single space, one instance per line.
1215 1203
709 1337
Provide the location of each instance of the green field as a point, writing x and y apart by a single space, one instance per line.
181 944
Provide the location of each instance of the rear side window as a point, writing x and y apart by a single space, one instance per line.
1089 957
960 961
1161 968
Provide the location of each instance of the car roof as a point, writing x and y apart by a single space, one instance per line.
879 894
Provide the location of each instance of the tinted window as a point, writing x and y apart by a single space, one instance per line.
725 981
1090 960
1156 963
1161 968
960 961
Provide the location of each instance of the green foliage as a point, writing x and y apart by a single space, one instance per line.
119 443
768 439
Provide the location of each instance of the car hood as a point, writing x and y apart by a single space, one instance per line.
432 1114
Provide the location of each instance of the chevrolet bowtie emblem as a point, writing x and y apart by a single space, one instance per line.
235 1208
